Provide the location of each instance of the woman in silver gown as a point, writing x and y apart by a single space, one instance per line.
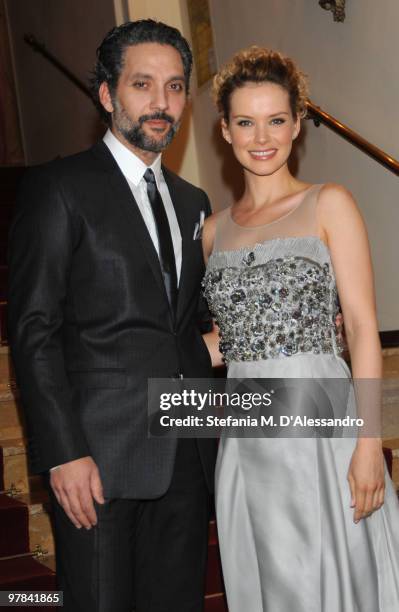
305 524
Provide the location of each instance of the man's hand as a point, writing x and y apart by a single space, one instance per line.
75 484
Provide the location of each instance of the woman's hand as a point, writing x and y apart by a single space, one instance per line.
366 477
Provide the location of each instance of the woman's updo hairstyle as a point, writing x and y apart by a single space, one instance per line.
260 65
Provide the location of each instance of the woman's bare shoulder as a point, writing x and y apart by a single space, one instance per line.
209 231
338 211
334 194
336 202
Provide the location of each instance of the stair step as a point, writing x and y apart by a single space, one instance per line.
395 469
40 529
390 420
8 391
391 362
11 420
390 389
15 464
48 561
393 444
6 369
25 524
14 527
26 574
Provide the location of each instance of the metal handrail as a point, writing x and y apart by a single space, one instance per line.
315 113
39 47
318 116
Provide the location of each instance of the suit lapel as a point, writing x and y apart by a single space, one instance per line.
122 196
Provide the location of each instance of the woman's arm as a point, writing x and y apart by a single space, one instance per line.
343 229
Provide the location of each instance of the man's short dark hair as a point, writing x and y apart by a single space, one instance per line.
111 52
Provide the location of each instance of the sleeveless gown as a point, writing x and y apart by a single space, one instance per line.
287 538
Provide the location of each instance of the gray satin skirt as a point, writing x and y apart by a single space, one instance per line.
287 538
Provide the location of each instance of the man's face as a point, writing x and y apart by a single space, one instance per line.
150 97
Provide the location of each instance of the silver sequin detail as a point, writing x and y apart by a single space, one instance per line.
280 308
249 258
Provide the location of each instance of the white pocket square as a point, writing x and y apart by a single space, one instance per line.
198 226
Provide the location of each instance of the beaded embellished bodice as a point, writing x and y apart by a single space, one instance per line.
277 297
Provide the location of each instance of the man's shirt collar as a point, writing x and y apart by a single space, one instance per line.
132 167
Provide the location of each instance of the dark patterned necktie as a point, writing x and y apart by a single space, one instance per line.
166 251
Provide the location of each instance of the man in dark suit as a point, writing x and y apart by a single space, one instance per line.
105 271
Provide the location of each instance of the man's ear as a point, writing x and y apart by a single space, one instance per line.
105 97
225 130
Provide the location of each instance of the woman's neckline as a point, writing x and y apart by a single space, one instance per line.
250 227
268 241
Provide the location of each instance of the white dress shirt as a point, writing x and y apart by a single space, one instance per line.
133 169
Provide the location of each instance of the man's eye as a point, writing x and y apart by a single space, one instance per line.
176 86
139 84
244 123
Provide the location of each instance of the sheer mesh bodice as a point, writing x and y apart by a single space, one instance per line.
271 288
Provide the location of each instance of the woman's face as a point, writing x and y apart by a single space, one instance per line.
261 127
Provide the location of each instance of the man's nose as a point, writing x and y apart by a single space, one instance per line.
159 99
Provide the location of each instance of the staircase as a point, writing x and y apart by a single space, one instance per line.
24 517
25 528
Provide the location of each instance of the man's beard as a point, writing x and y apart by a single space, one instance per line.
133 131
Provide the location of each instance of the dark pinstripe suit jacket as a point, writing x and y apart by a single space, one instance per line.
89 320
